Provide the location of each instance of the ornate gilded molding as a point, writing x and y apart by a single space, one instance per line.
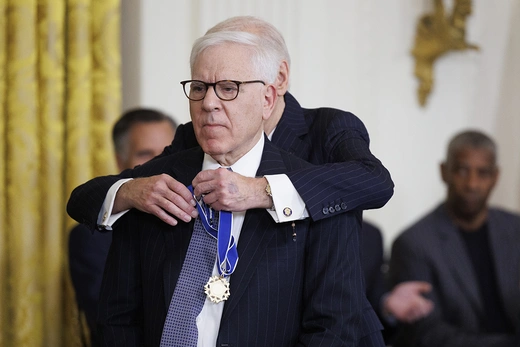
437 34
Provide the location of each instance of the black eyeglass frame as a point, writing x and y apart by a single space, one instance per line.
207 85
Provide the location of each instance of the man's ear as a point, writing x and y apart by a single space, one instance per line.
282 80
120 162
496 175
444 171
270 98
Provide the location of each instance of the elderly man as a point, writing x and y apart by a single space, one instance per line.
283 284
345 176
470 254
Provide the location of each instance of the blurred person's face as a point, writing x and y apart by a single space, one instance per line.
470 177
227 130
145 141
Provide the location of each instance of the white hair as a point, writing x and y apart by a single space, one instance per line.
257 26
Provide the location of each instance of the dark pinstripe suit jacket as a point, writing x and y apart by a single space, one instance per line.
432 250
283 293
353 179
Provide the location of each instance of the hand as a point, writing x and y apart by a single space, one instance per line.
161 195
407 303
230 191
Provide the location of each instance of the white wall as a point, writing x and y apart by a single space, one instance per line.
355 55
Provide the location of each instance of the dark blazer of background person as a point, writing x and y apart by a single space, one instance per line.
353 179
138 135
432 250
87 255
283 292
372 262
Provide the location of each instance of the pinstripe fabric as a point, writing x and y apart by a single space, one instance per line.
432 250
284 293
356 179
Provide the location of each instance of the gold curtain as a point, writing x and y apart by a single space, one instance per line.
59 96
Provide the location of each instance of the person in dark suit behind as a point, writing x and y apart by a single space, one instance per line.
372 260
295 283
403 303
469 253
138 136
345 175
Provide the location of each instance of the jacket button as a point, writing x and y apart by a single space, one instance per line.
331 209
325 210
343 205
337 207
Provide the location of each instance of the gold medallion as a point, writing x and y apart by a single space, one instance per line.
217 289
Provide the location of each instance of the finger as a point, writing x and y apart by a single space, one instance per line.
203 188
211 198
162 215
179 190
204 176
423 287
175 205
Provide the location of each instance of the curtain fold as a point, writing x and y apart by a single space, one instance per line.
3 165
59 96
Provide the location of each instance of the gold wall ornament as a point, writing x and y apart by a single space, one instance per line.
437 34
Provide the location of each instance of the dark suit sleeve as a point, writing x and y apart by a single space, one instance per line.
349 176
86 200
333 289
120 312
407 263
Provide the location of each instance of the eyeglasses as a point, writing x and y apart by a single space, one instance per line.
226 90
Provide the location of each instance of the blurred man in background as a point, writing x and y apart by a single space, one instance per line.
469 252
138 136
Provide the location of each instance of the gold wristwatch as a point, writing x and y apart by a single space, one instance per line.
269 193
268 190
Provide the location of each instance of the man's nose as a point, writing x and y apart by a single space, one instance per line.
473 180
211 101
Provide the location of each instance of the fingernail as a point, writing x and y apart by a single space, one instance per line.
195 214
193 203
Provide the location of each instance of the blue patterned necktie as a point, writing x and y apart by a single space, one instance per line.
180 328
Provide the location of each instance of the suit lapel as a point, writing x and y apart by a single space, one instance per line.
457 258
291 128
254 238
178 238
257 232
506 260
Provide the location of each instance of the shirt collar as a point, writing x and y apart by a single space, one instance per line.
246 166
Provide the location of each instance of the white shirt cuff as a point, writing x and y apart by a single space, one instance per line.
288 204
105 217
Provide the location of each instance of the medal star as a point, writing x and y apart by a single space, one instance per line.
217 289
